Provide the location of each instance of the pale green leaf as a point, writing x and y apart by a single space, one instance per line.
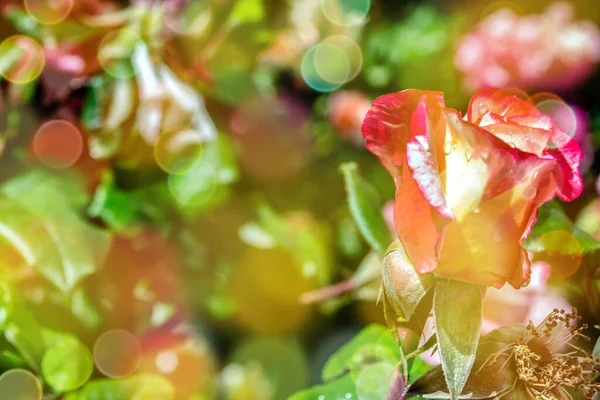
487 380
365 206
458 311
41 220
23 332
340 362
29 338
404 287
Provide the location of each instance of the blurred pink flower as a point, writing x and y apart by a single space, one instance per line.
541 51
346 110
388 215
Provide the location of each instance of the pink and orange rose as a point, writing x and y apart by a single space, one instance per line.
468 188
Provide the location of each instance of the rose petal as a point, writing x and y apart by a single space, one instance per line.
387 125
498 102
529 138
564 150
426 177
568 176
414 222
466 171
484 247
522 275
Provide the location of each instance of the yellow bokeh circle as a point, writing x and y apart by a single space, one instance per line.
23 59
178 152
48 12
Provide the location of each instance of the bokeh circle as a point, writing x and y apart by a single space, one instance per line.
58 144
48 12
557 109
23 59
177 152
20 384
117 353
346 12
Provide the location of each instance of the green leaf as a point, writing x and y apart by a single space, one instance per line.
552 232
67 365
366 280
23 332
29 338
419 368
336 390
373 382
363 368
458 312
349 240
139 387
345 358
117 209
41 220
365 206
10 360
404 287
92 112
487 380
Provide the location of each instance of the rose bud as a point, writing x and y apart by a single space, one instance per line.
468 189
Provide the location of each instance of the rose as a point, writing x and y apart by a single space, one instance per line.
468 190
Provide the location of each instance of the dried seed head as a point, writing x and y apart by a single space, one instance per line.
544 371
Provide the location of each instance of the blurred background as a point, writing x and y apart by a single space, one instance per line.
172 204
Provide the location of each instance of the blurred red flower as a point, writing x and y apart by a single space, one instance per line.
346 110
468 189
